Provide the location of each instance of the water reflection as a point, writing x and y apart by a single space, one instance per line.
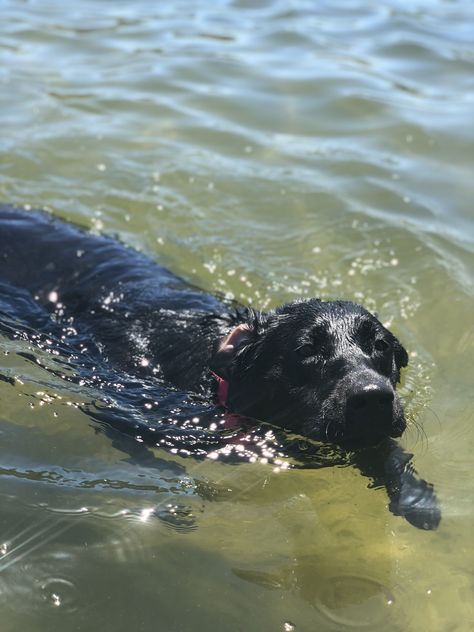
290 142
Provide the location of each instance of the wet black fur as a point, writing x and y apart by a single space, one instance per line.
314 367
323 370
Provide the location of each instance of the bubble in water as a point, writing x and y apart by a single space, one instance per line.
288 627
55 599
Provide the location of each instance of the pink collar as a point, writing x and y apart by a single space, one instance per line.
222 390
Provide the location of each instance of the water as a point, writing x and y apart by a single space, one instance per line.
266 150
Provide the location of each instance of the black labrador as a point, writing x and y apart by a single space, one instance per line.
324 370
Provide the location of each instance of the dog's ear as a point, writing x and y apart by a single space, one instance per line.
401 356
228 346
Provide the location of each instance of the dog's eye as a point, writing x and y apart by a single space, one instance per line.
306 350
381 345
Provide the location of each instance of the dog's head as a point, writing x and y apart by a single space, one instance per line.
323 369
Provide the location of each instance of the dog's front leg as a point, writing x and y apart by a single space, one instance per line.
410 496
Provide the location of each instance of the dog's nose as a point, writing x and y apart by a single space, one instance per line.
370 399
369 409
371 412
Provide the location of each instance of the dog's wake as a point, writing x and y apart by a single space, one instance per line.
137 343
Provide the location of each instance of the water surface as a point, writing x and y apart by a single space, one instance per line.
266 150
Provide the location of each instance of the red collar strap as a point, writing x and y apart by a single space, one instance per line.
222 390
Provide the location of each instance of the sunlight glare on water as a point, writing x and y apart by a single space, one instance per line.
267 151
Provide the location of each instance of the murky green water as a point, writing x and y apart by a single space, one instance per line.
267 150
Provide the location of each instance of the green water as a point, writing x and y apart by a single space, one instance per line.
267 150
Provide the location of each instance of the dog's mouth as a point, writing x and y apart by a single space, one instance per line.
365 436
358 442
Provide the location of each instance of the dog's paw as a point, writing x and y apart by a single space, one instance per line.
417 503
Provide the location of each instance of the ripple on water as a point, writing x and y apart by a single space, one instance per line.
354 602
27 587
297 144
59 593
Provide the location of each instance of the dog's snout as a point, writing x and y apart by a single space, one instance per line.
370 398
370 410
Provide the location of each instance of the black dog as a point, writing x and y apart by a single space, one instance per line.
323 370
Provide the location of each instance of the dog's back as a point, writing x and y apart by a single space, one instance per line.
43 254
135 309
